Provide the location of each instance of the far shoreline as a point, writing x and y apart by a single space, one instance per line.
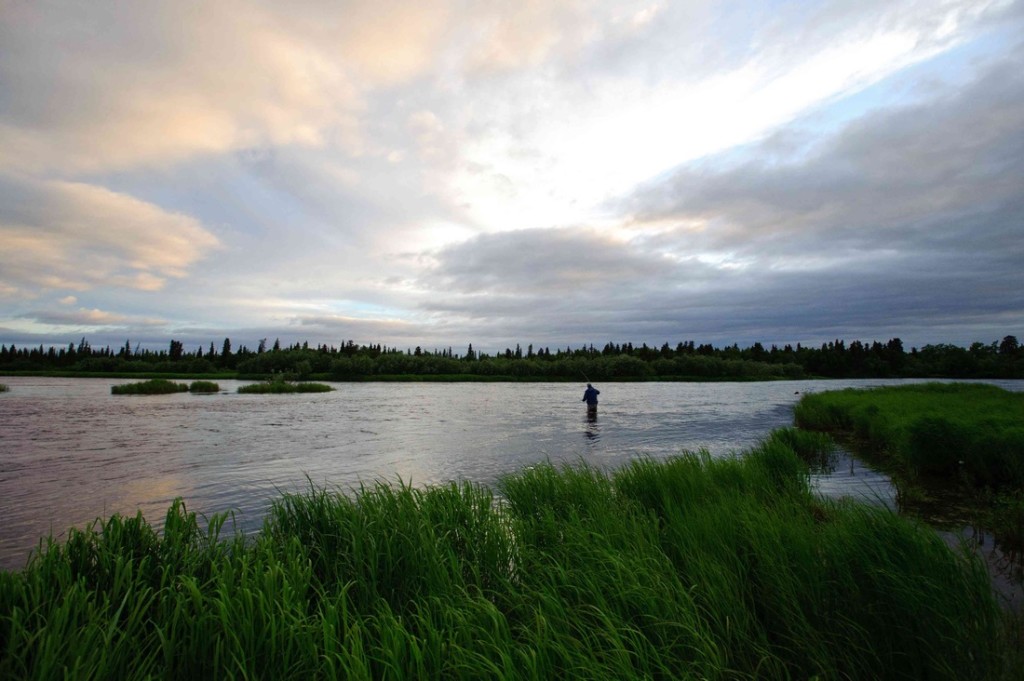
445 378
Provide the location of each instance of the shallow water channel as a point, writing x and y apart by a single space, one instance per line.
71 452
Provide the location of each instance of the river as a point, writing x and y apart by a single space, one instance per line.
71 452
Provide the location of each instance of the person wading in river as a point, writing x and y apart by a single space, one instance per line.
590 397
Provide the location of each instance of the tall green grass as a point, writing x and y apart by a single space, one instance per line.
817 450
284 387
688 568
155 386
203 387
971 433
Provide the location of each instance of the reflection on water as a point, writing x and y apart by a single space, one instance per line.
70 451
845 476
1006 568
592 431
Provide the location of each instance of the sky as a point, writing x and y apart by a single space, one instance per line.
545 172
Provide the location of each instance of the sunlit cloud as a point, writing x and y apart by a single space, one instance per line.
70 235
907 180
593 144
90 318
228 78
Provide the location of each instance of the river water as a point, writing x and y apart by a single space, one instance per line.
71 452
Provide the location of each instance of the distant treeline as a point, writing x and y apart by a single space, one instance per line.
349 361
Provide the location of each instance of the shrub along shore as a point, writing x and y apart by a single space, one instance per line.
685 568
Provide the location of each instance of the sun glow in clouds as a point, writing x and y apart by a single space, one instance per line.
565 170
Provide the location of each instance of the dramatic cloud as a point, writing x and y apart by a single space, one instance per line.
909 217
917 208
879 183
549 172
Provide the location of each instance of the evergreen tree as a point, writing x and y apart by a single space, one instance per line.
1009 346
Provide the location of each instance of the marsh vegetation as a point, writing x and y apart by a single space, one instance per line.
162 386
154 386
279 385
685 568
203 387
948 446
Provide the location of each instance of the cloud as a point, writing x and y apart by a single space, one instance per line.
906 218
113 86
70 235
526 34
907 180
363 330
542 261
558 285
90 318
617 102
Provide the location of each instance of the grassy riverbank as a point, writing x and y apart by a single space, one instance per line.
688 568
960 443
958 431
